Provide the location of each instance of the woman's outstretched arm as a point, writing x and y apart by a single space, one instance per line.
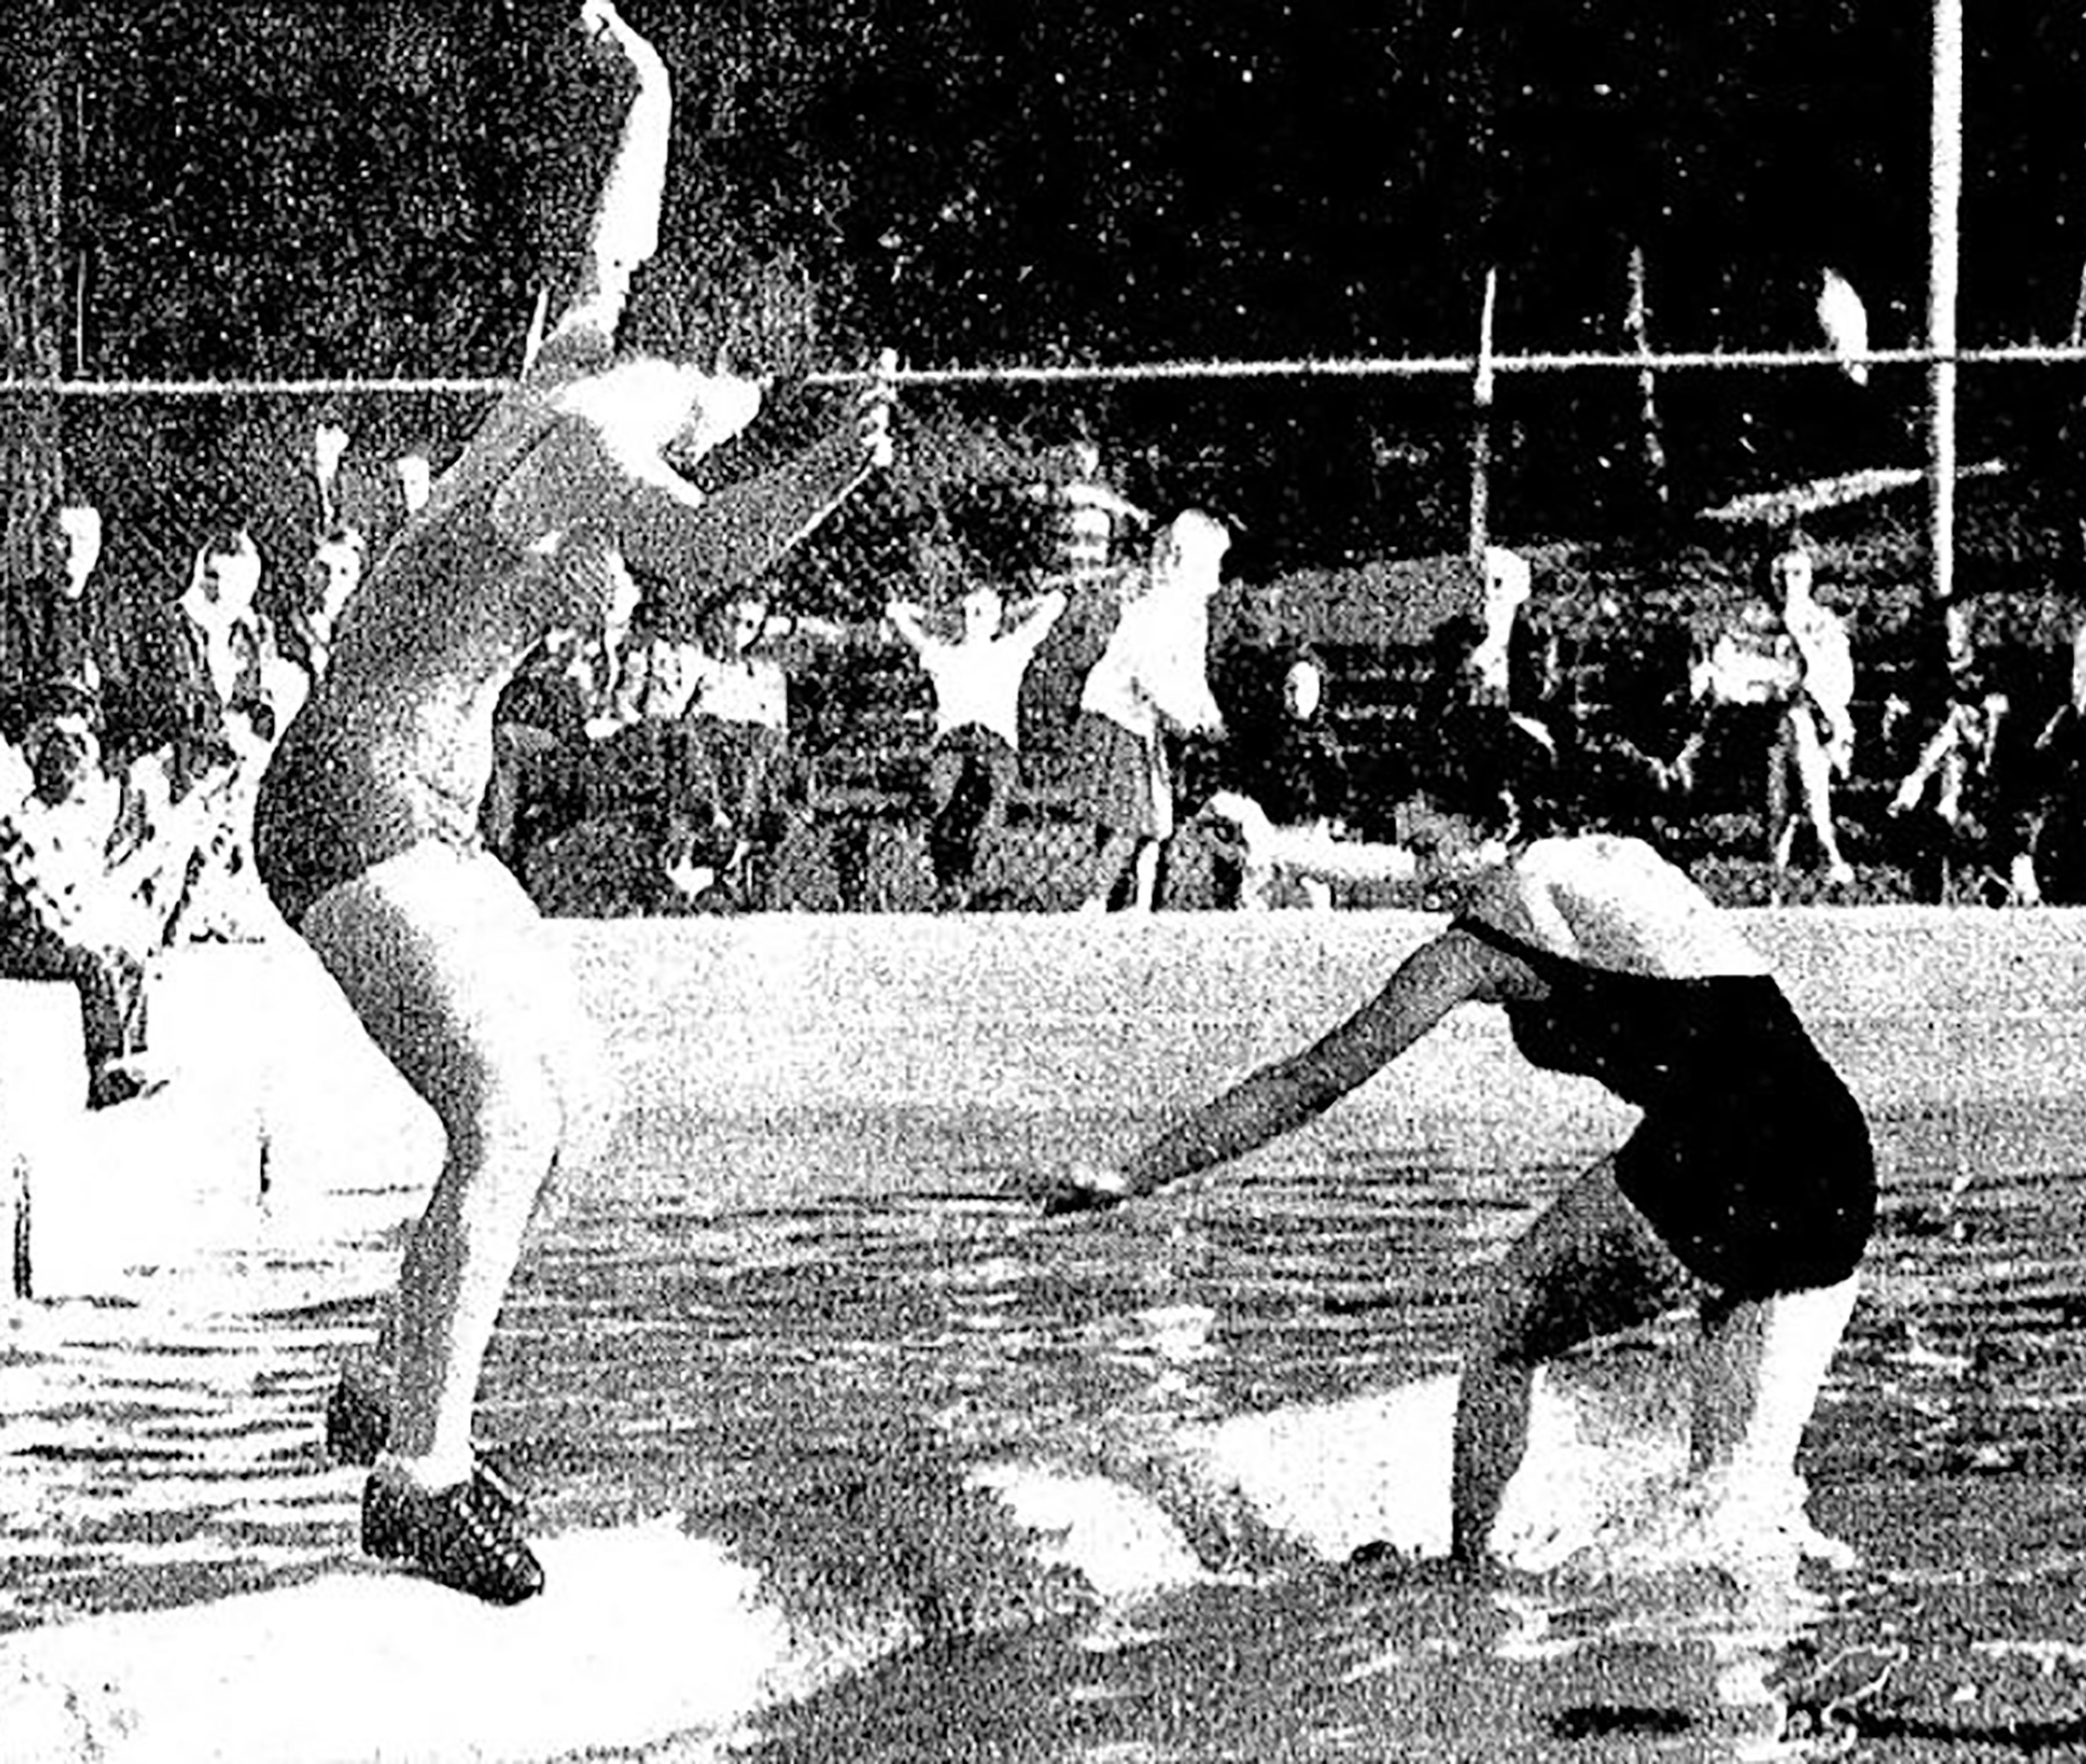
1447 971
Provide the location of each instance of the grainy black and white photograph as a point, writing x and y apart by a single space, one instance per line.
1082 883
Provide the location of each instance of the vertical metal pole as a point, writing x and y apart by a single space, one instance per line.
1944 194
1637 324
73 230
1481 424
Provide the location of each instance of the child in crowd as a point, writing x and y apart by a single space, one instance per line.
96 872
1788 655
976 763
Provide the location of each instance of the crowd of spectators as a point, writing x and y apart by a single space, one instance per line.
641 768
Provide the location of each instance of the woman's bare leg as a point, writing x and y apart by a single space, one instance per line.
1759 1367
1144 889
441 956
1589 1265
1814 779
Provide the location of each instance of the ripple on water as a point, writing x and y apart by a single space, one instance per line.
808 1336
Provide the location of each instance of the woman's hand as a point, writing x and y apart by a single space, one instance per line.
1237 824
599 22
1079 1187
874 412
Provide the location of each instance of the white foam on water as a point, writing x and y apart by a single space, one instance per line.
1603 1489
646 1634
1116 1540
1370 1469
1333 1476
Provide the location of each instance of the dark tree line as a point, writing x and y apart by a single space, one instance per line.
249 188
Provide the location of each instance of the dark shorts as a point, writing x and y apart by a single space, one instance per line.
326 814
970 773
1122 778
1764 1181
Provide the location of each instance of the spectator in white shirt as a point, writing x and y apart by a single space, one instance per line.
976 762
1153 678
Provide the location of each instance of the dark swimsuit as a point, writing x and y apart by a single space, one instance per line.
395 747
1752 1162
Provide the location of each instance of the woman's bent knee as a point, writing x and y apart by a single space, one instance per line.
511 1121
589 1099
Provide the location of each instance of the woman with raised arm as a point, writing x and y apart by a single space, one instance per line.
1747 1188
367 822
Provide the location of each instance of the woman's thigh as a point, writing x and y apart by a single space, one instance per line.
445 960
1590 1265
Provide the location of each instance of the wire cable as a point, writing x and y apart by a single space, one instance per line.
1018 374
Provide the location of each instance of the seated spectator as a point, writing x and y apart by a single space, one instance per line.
2049 864
738 722
1624 782
202 654
1152 677
1285 762
642 767
975 763
551 731
656 672
1946 809
1785 654
1508 583
1493 657
304 628
226 633
92 871
59 625
416 479
223 901
539 784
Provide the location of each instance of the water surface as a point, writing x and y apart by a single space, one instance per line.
804 1329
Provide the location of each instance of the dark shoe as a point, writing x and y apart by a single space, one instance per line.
358 1426
1379 1554
123 1081
455 1536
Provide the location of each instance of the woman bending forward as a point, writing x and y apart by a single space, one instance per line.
1747 1188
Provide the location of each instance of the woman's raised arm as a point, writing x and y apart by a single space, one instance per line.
623 230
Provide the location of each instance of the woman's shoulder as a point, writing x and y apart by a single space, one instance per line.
1612 902
1561 857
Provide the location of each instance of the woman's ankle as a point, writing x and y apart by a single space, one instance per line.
428 1471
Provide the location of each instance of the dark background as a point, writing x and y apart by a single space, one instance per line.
287 189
